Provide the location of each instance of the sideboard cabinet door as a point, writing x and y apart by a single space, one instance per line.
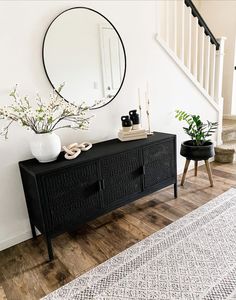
72 196
64 194
121 177
159 163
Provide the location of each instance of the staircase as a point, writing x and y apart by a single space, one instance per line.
225 153
186 38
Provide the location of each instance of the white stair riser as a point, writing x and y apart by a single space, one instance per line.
225 158
229 136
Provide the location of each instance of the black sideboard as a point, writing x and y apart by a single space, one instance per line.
63 194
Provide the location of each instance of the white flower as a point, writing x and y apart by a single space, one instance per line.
45 116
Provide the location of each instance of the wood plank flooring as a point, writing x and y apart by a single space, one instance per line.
26 274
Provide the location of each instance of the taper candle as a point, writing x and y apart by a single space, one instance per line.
140 106
148 108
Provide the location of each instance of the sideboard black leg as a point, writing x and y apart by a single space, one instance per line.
175 190
49 245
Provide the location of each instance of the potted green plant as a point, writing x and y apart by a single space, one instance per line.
200 147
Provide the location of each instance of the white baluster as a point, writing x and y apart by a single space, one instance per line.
167 23
212 69
180 32
160 18
172 24
201 40
207 63
195 27
175 26
188 35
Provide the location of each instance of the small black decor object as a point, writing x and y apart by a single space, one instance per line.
126 123
199 147
134 116
131 128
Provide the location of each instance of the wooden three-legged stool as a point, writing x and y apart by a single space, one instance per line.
208 168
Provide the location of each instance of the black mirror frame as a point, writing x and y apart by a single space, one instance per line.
125 63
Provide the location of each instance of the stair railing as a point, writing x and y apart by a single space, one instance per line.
186 37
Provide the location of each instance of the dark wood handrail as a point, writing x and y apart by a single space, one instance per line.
202 23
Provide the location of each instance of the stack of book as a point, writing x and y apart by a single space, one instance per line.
132 135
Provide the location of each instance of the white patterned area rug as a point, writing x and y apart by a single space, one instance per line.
192 258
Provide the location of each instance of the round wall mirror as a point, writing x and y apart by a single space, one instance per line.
82 49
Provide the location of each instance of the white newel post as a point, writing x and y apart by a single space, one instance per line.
219 65
219 68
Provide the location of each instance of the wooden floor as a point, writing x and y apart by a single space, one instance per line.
26 274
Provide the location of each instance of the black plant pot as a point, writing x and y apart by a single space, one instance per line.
192 152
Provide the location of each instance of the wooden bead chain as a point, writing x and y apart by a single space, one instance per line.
73 150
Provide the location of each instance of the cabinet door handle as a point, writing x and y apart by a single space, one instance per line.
103 184
143 169
100 185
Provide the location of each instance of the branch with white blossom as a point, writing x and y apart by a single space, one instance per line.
44 117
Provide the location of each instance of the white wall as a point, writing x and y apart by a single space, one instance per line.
220 17
22 27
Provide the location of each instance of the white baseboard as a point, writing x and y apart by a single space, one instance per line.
19 238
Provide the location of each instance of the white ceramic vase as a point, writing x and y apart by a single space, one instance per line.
45 147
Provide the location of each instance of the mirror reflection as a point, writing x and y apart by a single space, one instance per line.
84 50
